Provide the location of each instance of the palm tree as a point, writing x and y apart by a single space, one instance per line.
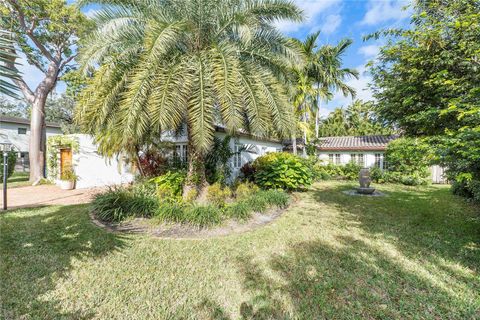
330 76
8 71
162 64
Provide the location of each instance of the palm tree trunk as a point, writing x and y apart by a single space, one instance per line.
317 121
305 135
196 181
294 144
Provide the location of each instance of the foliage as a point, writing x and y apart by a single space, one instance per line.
281 170
11 159
426 82
218 195
170 185
160 66
217 167
203 215
170 212
327 171
120 203
53 145
247 172
68 175
239 210
358 119
246 189
8 71
408 160
277 198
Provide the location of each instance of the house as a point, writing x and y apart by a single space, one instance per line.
367 151
17 131
92 169
247 146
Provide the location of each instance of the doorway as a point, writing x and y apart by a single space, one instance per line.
65 160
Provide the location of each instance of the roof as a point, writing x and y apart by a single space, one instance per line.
18 120
355 143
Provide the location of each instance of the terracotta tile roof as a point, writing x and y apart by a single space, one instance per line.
359 143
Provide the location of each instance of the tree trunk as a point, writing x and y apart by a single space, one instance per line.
305 135
317 120
37 140
196 181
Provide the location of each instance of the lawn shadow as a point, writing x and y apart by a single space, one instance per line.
37 248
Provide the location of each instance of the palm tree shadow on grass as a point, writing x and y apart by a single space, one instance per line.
382 270
38 246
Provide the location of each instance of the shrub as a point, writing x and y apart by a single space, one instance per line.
203 216
246 189
258 202
119 203
351 171
281 170
278 198
170 185
240 210
68 175
247 172
217 195
11 159
172 212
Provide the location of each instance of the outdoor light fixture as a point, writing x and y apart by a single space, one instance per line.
5 147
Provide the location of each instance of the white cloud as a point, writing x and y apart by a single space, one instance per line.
385 10
331 24
311 9
369 51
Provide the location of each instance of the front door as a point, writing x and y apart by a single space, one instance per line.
65 160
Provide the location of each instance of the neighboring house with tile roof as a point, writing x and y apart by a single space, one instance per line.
367 151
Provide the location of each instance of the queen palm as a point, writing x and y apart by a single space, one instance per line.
161 64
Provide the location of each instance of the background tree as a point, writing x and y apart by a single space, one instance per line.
426 82
46 32
163 64
358 119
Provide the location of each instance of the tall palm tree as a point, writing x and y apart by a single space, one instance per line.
164 63
8 71
331 76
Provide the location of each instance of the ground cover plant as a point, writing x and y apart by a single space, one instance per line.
160 199
414 254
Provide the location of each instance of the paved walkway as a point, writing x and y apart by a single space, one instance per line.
44 195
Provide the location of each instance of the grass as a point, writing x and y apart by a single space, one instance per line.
412 255
17 179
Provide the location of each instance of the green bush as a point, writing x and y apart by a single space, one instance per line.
245 190
240 210
120 203
203 216
218 195
351 171
11 159
170 185
258 202
170 212
281 170
278 198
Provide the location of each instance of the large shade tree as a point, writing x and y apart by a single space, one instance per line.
162 64
46 32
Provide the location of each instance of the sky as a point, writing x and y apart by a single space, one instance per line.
336 19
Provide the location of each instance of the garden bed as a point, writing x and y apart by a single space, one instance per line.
167 230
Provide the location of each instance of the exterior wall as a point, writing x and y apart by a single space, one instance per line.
94 170
345 157
21 141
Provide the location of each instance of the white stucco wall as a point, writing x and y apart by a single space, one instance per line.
94 170
21 141
345 157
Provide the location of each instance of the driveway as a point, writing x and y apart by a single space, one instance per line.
44 195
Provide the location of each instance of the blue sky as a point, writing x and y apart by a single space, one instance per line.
336 19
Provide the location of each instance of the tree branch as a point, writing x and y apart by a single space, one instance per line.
67 61
29 31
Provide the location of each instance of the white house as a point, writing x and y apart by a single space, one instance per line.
367 151
253 146
17 131
91 168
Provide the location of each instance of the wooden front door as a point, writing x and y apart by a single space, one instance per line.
65 159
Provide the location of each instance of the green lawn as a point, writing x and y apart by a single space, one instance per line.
18 179
412 255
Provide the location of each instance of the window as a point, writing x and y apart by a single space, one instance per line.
353 158
22 130
337 158
237 157
180 153
378 160
330 158
361 159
